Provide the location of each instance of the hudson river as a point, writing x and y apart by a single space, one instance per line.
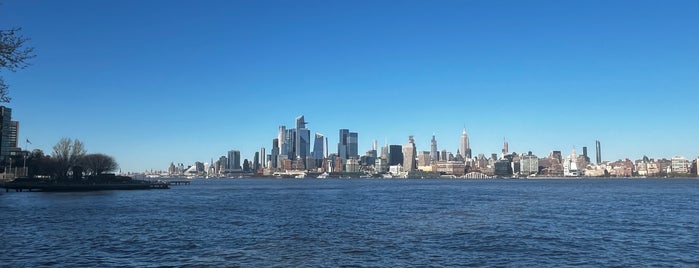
327 223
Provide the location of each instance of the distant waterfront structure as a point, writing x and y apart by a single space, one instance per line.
529 164
465 145
598 152
409 154
505 148
679 165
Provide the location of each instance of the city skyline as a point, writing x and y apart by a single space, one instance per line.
186 82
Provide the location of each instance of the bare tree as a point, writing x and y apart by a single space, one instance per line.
14 55
67 154
96 164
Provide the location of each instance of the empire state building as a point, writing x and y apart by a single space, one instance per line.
465 147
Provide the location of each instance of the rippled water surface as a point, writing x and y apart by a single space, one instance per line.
266 222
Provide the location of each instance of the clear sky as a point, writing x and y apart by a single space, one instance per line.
154 82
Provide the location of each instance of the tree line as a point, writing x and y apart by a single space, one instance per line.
69 161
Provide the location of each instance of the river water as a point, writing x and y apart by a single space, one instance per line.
355 222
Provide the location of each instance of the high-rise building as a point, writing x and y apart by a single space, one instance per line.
263 157
319 149
598 153
348 145
465 146
303 139
409 154
234 160
395 155
256 162
434 154
505 148
353 145
274 158
5 134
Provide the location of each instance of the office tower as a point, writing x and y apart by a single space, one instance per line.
598 153
5 133
303 143
434 154
348 145
409 154
342 144
353 145
375 145
234 160
319 149
505 148
584 155
395 155
303 139
289 145
256 162
444 155
274 158
283 141
222 164
465 146
263 157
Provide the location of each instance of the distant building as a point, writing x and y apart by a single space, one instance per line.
320 150
598 153
6 129
680 165
433 153
529 164
395 155
348 145
381 165
352 165
274 157
425 159
465 146
503 168
409 154
234 161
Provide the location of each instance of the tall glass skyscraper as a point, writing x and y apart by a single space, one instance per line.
348 145
234 160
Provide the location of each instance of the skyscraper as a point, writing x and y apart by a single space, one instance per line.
303 139
274 159
234 160
434 154
465 146
263 157
598 152
319 149
5 133
505 148
409 154
395 155
342 144
348 145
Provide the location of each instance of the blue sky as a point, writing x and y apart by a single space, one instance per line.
154 82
